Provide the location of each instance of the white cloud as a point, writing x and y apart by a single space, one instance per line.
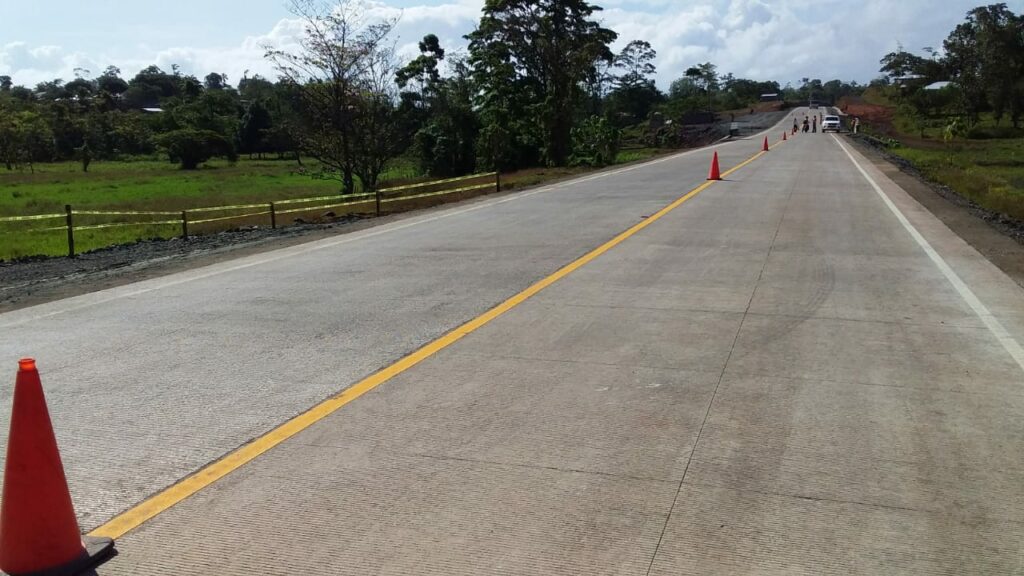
32 64
782 40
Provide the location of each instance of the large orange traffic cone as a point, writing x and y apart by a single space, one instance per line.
38 529
713 174
783 136
764 148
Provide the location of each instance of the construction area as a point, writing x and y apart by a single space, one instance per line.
781 365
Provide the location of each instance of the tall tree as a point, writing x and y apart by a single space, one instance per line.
636 61
256 87
442 111
253 129
375 132
532 56
964 62
215 81
706 77
1000 44
635 93
420 84
111 83
335 73
151 85
421 76
900 64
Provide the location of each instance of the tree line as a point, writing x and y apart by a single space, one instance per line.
538 85
982 58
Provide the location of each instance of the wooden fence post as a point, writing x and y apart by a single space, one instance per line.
273 217
377 197
71 231
184 225
497 181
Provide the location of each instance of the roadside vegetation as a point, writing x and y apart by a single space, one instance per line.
956 114
540 93
156 185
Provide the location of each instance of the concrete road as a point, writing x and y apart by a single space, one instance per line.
796 371
148 382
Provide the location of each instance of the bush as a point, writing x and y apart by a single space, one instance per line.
445 151
595 142
190 147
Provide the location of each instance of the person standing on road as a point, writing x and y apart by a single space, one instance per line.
795 126
807 125
814 124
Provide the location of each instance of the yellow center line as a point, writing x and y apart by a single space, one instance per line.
158 503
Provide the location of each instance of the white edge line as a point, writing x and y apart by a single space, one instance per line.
990 321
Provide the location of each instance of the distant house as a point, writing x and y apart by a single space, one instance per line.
938 85
773 97
152 110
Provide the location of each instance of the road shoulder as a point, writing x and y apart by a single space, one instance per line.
996 245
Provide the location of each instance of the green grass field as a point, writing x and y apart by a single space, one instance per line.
989 172
985 164
158 186
147 186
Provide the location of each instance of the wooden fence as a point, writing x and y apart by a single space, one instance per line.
379 202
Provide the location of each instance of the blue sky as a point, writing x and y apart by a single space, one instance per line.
781 40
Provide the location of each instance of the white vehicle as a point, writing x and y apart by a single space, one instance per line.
830 123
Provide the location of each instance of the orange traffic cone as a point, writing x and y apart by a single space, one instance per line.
764 148
38 529
713 174
783 136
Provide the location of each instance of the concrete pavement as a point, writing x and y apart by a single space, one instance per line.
774 378
150 381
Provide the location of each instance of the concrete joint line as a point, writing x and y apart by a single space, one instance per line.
721 374
190 485
991 322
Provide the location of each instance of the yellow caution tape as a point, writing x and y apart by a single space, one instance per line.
123 224
234 217
321 198
105 213
38 217
446 181
323 206
27 230
222 208
441 193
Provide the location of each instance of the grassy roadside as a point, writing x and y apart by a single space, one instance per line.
989 172
985 165
160 186
156 186
149 186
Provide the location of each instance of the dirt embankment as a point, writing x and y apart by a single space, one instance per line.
880 118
